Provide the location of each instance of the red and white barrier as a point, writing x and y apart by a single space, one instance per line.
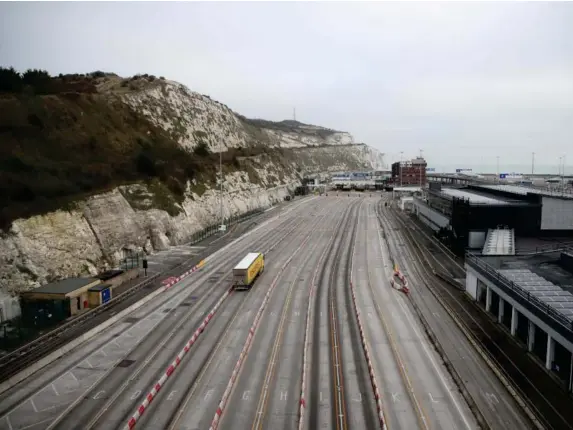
247 346
373 381
403 282
172 280
169 371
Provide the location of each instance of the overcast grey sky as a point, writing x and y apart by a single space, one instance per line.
465 82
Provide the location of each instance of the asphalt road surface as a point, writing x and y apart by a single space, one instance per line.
495 403
313 249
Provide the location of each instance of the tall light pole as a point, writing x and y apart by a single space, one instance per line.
421 166
221 182
401 154
563 175
532 162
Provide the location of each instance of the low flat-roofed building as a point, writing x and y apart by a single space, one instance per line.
464 215
556 217
69 296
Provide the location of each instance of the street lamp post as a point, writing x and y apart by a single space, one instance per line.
421 166
532 162
221 184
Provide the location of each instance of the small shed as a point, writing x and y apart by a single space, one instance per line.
69 295
99 294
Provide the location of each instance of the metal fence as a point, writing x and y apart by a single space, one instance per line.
214 228
544 249
536 306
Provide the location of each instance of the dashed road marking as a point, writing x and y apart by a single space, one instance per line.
208 394
491 399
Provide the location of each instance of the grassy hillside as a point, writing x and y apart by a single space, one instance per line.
61 140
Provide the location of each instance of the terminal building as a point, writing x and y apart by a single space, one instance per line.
462 216
518 248
530 294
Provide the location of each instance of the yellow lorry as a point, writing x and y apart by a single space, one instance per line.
245 273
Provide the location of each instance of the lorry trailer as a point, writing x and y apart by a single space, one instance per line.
245 273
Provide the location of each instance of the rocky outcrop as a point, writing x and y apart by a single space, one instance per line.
193 118
93 236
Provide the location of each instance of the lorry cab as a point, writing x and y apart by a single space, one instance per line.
248 269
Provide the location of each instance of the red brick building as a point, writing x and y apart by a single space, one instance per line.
411 172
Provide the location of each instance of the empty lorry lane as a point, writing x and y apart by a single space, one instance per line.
371 275
43 397
338 393
268 388
434 395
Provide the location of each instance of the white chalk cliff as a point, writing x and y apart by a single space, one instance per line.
92 236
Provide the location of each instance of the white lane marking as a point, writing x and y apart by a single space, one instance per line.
491 398
208 395
9 423
74 377
54 388
171 395
432 399
97 396
246 395
34 425
434 365
283 394
395 397
135 395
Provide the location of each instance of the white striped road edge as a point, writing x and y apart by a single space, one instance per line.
307 329
169 371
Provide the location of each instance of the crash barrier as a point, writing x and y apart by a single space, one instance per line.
169 371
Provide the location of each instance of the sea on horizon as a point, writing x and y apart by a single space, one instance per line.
518 169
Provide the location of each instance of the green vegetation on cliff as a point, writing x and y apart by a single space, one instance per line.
61 140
